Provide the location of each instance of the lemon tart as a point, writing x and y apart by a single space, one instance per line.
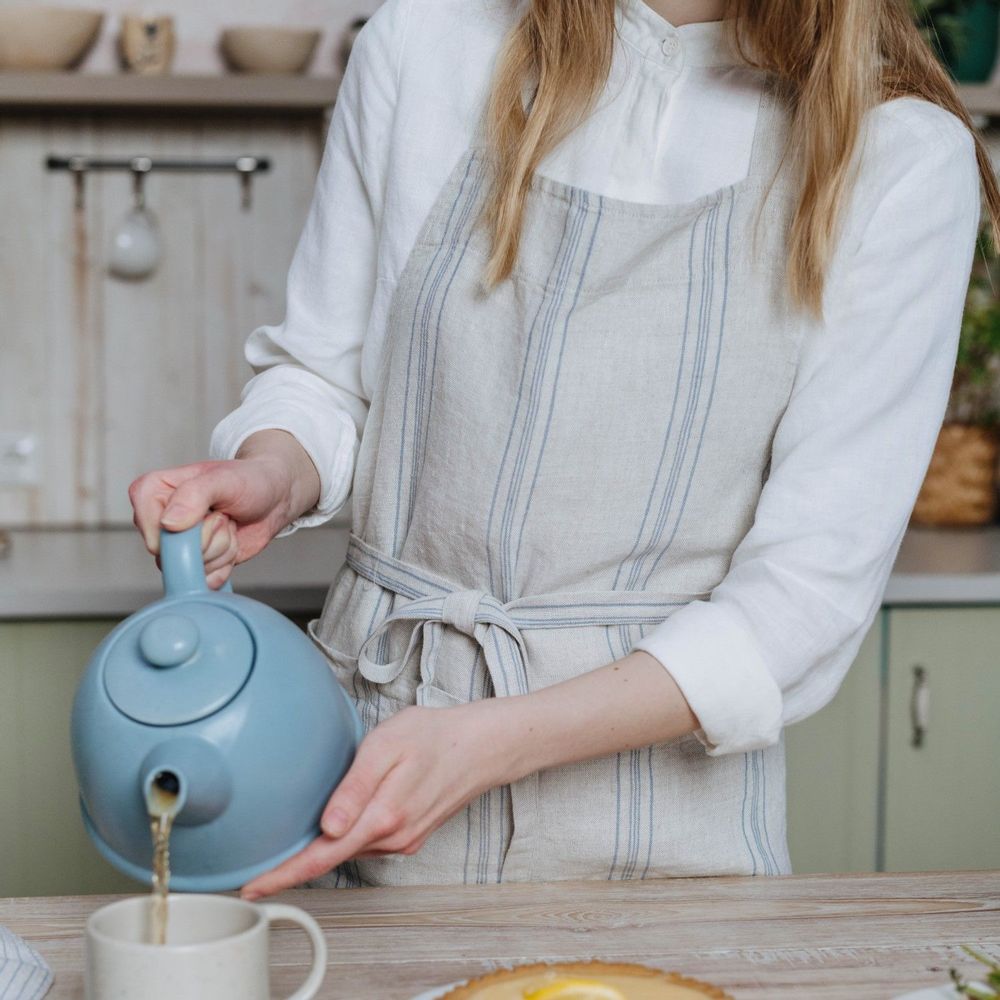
584 981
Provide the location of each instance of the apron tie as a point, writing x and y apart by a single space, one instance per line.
473 612
435 603
460 607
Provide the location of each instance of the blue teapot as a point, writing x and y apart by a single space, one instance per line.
226 707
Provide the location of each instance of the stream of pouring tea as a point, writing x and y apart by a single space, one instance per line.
162 806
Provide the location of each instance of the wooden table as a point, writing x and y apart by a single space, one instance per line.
849 936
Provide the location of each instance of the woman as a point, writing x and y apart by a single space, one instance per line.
631 326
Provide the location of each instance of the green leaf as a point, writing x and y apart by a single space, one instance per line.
975 381
966 989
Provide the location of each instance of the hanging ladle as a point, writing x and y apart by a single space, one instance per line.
135 248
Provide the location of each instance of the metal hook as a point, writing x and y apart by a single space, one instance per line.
140 167
77 166
246 167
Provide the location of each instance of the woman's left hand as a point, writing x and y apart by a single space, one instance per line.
410 774
422 765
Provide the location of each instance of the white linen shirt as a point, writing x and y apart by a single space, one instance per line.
676 120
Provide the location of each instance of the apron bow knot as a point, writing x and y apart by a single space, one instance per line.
475 613
435 603
461 607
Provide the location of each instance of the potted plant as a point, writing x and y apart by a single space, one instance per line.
963 33
960 485
990 990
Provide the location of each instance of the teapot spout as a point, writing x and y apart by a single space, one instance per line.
165 794
186 779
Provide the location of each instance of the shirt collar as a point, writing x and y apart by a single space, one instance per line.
703 43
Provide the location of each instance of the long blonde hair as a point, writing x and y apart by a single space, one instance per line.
833 59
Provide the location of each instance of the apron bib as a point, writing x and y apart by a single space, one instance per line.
551 469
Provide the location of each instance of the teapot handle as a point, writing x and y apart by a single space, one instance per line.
183 568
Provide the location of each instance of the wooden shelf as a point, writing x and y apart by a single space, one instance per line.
235 92
239 92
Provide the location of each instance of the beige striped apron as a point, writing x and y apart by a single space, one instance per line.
551 469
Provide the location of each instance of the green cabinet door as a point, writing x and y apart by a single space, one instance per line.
943 783
833 773
44 849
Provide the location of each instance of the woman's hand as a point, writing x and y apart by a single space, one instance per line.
422 765
243 503
410 774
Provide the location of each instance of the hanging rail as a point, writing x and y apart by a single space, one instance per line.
241 164
79 166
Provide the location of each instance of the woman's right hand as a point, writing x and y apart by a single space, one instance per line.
242 503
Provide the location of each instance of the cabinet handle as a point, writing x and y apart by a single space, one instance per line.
920 706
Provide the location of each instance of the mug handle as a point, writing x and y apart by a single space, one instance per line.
279 911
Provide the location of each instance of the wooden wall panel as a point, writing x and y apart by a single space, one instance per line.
117 376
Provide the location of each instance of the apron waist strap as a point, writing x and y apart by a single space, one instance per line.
478 614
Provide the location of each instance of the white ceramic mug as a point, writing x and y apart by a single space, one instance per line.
217 949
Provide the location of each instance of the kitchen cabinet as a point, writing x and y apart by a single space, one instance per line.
942 785
860 795
44 849
865 790
832 785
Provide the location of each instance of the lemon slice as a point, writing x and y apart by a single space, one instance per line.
575 989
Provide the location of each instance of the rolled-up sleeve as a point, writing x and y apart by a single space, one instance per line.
775 639
308 368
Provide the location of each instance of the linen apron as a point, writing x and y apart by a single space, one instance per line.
551 469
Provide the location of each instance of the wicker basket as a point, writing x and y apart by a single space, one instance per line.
960 487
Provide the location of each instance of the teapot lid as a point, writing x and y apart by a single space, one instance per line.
178 664
184 657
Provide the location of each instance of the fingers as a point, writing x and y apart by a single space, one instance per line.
218 578
213 536
149 495
315 860
372 762
195 497
405 846
249 492
220 548
409 824
323 854
218 542
352 821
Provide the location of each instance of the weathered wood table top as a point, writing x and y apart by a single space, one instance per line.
849 936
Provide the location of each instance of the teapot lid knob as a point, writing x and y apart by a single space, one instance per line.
175 664
168 640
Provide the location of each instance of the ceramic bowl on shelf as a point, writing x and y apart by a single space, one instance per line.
268 49
45 38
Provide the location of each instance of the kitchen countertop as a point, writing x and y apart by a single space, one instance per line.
862 937
106 573
947 566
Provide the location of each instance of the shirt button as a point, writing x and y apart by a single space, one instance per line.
669 46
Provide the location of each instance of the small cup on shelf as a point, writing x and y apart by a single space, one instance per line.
146 45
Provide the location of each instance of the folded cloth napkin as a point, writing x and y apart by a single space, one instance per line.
23 972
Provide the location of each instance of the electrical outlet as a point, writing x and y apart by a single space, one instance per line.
20 459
